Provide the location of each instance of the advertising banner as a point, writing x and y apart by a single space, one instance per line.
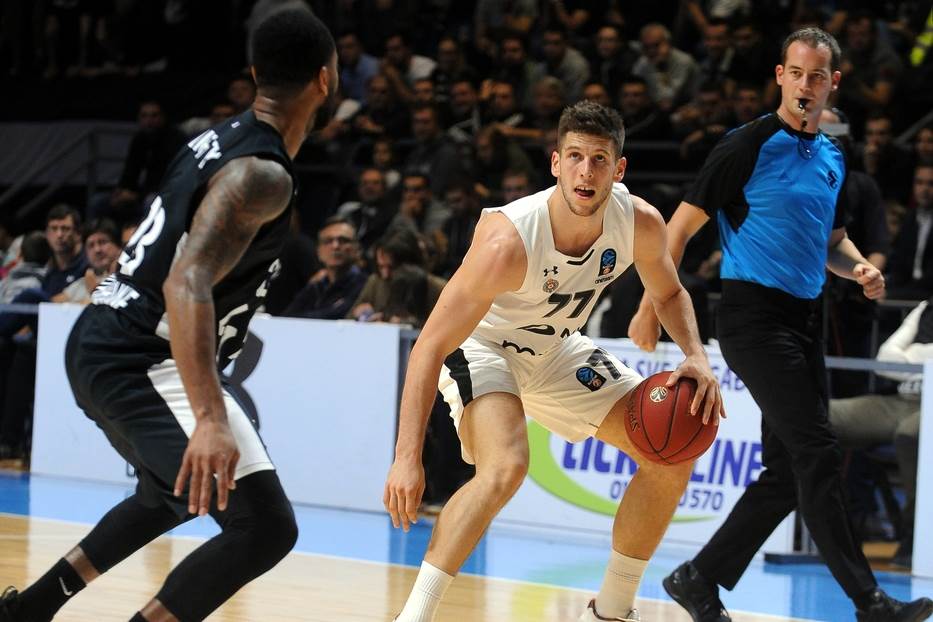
578 486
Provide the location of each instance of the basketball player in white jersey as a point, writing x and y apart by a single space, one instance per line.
504 341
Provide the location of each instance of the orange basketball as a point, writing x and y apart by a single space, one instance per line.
660 424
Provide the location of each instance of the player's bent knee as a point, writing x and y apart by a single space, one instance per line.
504 478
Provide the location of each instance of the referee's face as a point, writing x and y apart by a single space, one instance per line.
586 166
806 76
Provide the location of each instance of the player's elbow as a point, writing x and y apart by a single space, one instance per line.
187 283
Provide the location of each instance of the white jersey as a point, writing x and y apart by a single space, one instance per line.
559 292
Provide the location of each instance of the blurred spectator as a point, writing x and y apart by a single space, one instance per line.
356 66
502 105
579 18
754 59
671 74
496 154
718 54
399 247
151 149
68 263
434 156
614 58
517 69
382 115
564 62
494 18
219 112
402 67
332 291
101 248
30 268
747 104
419 210
372 213
701 123
423 92
241 92
458 230
867 421
643 120
515 185
549 98
409 292
871 69
886 161
383 159
923 145
910 270
595 91
451 66
465 117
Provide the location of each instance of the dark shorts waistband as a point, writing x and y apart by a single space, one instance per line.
755 294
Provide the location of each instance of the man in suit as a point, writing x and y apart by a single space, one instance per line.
910 272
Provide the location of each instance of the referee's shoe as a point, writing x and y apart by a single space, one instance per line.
886 609
695 594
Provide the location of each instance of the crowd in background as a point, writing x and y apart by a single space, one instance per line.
447 107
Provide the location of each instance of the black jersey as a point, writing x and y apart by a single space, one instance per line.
135 290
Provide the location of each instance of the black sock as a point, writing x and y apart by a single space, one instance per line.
41 600
138 618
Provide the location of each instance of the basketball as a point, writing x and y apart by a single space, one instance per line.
660 424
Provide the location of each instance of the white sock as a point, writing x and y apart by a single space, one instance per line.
617 595
426 594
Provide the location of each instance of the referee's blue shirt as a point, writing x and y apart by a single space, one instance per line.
775 193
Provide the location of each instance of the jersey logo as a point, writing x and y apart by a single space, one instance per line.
539 329
113 293
607 263
517 348
206 148
550 271
550 285
832 179
590 378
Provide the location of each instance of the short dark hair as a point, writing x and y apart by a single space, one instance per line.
102 225
63 211
588 117
814 37
402 245
631 79
337 220
35 248
289 49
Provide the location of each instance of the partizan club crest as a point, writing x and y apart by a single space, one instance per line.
550 285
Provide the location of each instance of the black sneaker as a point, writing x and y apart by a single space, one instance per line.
9 605
694 593
886 609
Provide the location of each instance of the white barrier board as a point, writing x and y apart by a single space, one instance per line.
324 392
922 563
578 486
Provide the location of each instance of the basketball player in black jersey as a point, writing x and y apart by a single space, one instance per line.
143 359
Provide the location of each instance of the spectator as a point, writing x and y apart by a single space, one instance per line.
718 56
596 92
886 161
402 67
419 211
754 58
383 159
868 420
68 263
372 213
423 92
671 74
549 99
870 66
564 62
643 120
747 104
515 68
465 116
579 18
434 156
451 66
494 18
408 297
102 248
910 271
923 145
495 154
614 57
701 123
240 93
382 115
333 290
457 232
502 105
356 66
30 268
515 185
399 247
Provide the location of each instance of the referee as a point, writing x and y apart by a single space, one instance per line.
773 186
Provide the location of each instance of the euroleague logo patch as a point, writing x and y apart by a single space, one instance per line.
658 394
607 263
590 378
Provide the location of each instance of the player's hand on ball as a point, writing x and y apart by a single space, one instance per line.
402 496
708 399
211 451
645 330
871 280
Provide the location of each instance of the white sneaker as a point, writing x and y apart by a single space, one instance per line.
590 615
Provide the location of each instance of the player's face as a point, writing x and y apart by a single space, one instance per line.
586 167
807 76
101 252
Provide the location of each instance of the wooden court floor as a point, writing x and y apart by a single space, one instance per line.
302 587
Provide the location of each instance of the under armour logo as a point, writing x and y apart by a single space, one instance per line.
551 271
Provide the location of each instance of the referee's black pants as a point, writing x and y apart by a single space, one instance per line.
773 342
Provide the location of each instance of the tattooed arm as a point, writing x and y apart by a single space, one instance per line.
245 194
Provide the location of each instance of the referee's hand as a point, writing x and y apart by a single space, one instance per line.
871 280
211 451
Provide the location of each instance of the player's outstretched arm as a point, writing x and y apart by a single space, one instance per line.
674 308
245 194
495 263
644 329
